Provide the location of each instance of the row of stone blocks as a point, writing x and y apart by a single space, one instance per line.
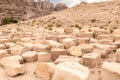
69 54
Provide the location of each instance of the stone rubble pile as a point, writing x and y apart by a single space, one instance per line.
62 56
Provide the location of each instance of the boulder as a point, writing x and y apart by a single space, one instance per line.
83 41
18 50
69 42
44 57
65 58
110 71
71 71
98 32
56 52
86 48
91 59
44 71
109 37
41 48
118 55
60 6
85 35
75 51
3 53
12 65
55 44
30 56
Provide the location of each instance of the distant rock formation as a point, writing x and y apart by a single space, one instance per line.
60 6
25 9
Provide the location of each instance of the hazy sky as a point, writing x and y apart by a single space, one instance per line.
71 3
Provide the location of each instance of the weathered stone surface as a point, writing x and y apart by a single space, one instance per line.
56 52
12 65
60 6
105 41
26 9
117 44
64 58
55 44
83 41
85 35
41 48
118 55
102 49
103 52
86 48
75 51
74 70
45 71
18 50
110 71
3 53
69 42
29 45
116 37
30 56
91 59
93 40
9 44
51 37
68 30
100 32
61 37
109 37
44 57
2 46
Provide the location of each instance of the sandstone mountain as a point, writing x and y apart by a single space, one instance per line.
25 9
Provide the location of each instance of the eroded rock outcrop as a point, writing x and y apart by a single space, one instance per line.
25 9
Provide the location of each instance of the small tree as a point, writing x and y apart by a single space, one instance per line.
7 20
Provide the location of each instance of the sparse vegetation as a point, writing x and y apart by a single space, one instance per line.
93 20
58 25
7 20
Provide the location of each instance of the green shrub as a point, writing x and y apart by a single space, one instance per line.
7 20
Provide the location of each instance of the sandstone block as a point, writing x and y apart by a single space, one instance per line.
51 37
86 48
110 71
75 51
44 57
56 52
105 41
65 58
9 44
69 42
30 56
83 41
12 65
91 59
41 48
109 37
100 32
2 46
55 44
18 50
85 35
44 71
118 55
3 53
74 70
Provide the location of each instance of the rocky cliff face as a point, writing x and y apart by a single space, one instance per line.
25 9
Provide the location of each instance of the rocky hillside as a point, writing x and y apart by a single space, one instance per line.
25 9
81 43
